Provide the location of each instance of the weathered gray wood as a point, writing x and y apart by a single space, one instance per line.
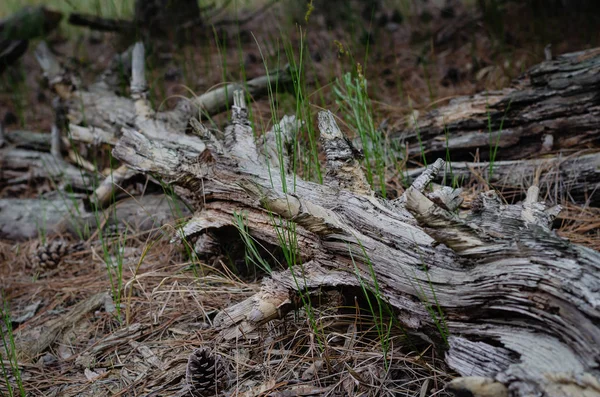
279 142
552 107
39 141
520 307
111 185
504 281
573 177
23 219
22 166
104 113
33 341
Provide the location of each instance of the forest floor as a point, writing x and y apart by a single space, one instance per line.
159 301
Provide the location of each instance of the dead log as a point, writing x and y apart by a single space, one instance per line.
552 107
104 104
518 308
19 166
23 219
31 140
99 114
102 24
560 178
156 18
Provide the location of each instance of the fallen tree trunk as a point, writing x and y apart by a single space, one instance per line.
574 178
23 219
19 166
102 24
100 114
104 116
28 140
553 107
517 307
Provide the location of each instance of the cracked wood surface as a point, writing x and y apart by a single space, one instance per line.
554 106
574 177
521 306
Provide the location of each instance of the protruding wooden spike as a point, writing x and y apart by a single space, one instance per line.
138 75
343 168
279 140
239 137
207 136
55 142
421 182
139 87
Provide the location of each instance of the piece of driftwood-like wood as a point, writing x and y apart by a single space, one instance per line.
552 107
32 140
102 24
520 306
23 166
504 281
108 187
24 219
574 177
151 17
99 113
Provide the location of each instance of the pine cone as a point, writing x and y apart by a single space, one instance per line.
206 373
47 257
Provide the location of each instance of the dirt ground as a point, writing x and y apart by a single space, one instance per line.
139 344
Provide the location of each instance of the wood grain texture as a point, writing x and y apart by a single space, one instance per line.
519 303
553 106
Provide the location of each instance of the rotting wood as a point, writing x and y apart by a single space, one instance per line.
102 24
104 113
151 17
574 177
23 219
21 166
552 107
39 141
502 278
103 193
484 273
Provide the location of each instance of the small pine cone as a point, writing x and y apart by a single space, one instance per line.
206 373
47 257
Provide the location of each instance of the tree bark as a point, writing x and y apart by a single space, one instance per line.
516 306
561 178
555 106
23 219
99 115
